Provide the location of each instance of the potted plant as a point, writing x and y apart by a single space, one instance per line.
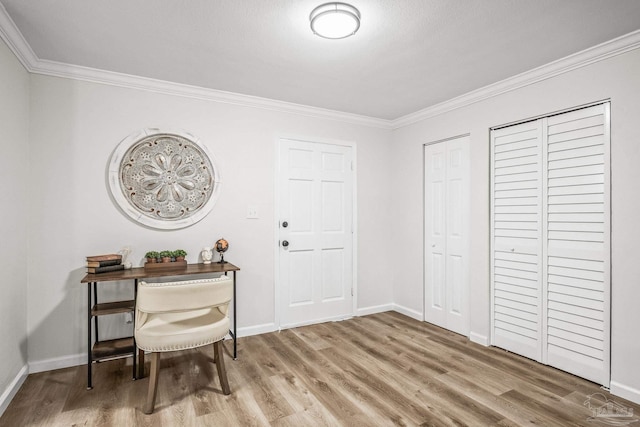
166 256
152 256
179 254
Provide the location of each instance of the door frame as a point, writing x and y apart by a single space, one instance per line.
424 228
277 288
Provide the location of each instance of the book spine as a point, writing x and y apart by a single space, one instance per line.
95 270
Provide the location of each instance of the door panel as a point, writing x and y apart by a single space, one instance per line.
550 233
515 230
577 242
315 186
446 237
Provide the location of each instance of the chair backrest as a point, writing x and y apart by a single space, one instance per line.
184 295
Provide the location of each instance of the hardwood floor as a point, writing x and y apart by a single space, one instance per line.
379 370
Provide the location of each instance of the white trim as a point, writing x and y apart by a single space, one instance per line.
36 366
18 45
561 66
414 314
57 69
365 311
248 331
625 391
13 37
11 390
479 339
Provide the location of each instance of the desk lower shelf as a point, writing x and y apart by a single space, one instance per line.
113 307
111 349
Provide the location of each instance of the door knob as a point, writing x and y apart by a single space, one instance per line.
285 224
285 243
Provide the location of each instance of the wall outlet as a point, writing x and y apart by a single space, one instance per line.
128 318
252 212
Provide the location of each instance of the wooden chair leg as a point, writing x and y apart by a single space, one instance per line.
219 361
153 383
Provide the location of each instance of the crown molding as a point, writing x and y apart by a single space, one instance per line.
10 33
22 50
58 69
13 38
572 62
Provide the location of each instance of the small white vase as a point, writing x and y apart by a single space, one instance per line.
207 255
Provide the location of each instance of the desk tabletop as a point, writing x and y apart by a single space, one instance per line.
142 273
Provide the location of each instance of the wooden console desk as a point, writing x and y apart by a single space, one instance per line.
110 349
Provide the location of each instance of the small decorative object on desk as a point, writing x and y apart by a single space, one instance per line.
179 254
221 247
152 256
165 256
104 263
125 257
207 255
165 260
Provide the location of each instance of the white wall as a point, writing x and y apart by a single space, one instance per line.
615 78
75 126
14 140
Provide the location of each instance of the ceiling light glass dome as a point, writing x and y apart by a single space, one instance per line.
335 20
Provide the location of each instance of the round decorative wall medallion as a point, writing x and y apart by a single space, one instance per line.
163 179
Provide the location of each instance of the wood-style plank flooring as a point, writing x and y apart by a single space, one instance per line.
379 370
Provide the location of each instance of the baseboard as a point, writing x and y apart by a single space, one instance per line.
479 339
374 309
13 388
57 363
624 391
408 312
248 331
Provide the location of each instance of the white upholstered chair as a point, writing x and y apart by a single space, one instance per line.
181 315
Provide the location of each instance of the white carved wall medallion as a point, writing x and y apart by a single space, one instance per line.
163 179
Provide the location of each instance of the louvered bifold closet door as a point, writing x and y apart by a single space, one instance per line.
577 242
516 230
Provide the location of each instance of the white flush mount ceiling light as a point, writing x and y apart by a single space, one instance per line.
335 20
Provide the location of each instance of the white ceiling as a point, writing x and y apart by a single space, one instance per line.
408 54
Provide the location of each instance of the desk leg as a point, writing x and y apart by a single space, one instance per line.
235 345
89 361
95 302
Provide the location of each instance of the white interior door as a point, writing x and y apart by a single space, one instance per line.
315 232
446 234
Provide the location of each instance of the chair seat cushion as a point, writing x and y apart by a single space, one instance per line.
181 330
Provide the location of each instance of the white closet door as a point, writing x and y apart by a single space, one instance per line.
577 237
516 232
551 241
446 234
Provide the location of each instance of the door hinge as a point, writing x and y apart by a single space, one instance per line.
351 291
352 168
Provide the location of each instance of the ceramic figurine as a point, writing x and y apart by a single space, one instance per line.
207 255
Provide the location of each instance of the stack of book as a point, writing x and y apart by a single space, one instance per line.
104 263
